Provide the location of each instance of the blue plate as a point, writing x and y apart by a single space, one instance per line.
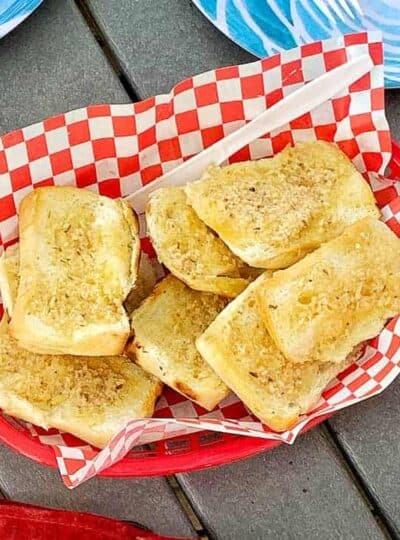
265 27
13 12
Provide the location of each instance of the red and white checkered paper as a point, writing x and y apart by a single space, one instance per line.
115 149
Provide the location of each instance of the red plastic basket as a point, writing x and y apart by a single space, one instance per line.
180 454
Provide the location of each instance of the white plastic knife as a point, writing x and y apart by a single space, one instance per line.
301 101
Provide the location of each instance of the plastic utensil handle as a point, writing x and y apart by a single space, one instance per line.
301 101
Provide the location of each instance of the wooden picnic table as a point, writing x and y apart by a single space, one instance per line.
340 480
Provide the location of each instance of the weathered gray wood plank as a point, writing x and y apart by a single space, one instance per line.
51 64
370 437
160 42
149 502
299 492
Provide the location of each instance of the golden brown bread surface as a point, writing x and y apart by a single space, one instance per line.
9 277
9 280
92 398
238 347
165 328
188 248
336 297
271 212
78 261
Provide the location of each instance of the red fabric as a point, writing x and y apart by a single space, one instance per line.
19 521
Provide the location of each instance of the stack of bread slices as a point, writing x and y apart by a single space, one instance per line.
279 271
62 361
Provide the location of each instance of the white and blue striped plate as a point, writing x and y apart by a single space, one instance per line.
265 27
13 12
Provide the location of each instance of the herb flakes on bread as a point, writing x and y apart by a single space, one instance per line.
340 295
91 397
271 212
165 327
191 251
239 349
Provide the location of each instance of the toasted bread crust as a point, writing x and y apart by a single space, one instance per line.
340 295
271 212
238 347
145 282
92 398
188 248
131 218
9 277
165 327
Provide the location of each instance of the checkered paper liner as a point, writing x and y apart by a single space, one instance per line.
115 149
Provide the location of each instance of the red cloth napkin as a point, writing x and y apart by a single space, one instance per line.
19 521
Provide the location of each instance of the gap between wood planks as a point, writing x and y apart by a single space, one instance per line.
383 521
107 49
188 508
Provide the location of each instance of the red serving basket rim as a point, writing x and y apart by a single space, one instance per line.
227 449
160 460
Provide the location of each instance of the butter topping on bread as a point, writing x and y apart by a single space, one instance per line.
271 212
165 328
239 349
336 297
92 398
188 248
78 261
